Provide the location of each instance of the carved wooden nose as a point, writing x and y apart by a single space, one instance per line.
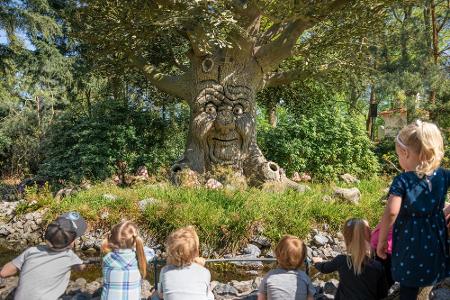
225 120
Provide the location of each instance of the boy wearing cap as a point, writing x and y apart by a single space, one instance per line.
45 269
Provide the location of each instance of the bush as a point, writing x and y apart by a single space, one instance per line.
324 142
89 146
385 151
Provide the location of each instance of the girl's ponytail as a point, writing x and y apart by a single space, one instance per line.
125 235
140 255
356 236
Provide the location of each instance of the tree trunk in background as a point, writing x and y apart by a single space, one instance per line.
372 115
272 114
435 53
411 105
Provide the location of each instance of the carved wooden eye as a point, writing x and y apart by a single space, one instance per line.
210 108
238 109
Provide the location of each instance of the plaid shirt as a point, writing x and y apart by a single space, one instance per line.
121 277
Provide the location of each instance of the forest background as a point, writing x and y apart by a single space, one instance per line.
68 116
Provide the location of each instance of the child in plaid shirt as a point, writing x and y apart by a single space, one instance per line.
125 263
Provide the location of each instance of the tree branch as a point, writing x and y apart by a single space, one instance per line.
269 56
282 78
444 20
177 86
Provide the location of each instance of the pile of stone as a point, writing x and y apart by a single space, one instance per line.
19 231
325 245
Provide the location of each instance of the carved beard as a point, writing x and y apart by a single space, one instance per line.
225 124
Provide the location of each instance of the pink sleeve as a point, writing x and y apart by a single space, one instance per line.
375 236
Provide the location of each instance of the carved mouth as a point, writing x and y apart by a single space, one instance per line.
224 140
224 150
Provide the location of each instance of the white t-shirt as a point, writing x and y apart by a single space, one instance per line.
280 284
186 283
44 273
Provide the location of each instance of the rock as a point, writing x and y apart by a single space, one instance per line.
109 197
330 287
296 177
327 198
225 289
81 282
142 172
242 286
352 195
92 287
347 178
302 177
320 240
440 294
145 202
4 231
213 184
250 264
185 177
445 283
65 192
261 241
252 250
252 272
270 254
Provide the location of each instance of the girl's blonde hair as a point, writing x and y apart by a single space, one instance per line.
182 246
125 235
357 237
425 139
290 252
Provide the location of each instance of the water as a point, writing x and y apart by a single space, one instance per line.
222 272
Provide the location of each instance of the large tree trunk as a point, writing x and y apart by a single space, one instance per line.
222 130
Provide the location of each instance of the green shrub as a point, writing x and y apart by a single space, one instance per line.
89 146
324 142
385 151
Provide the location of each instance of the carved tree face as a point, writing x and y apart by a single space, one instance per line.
224 122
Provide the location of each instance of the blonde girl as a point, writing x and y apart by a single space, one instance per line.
415 209
184 277
124 263
287 282
360 277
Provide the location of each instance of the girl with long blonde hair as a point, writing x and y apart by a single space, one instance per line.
420 249
360 277
125 262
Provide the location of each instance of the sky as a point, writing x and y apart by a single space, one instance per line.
21 35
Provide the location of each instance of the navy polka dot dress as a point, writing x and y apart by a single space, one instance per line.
420 250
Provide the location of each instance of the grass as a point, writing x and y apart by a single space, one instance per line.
225 219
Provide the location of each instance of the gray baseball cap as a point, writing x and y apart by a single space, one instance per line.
65 229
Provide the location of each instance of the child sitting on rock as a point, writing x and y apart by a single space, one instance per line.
125 263
45 269
287 282
184 277
360 277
